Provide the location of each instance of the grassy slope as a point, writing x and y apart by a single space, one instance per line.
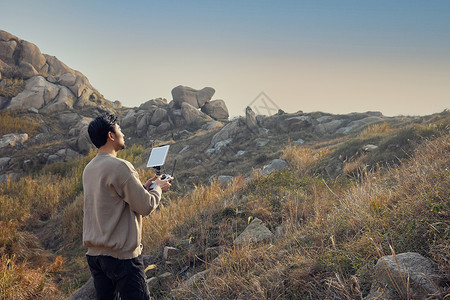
330 229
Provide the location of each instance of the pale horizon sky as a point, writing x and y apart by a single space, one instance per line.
330 56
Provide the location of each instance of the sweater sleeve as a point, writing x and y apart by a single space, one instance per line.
141 201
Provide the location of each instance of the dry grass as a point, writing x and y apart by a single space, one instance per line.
181 211
375 130
329 231
303 159
22 281
336 229
11 87
10 122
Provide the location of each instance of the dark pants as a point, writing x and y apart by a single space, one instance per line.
118 278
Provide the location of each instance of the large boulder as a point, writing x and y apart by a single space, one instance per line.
7 50
196 98
153 103
216 109
31 54
254 233
38 92
193 116
63 101
406 275
159 115
56 67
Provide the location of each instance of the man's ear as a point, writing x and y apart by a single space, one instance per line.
111 136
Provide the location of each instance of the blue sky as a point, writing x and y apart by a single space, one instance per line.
331 56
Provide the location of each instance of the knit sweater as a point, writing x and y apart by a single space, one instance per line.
114 203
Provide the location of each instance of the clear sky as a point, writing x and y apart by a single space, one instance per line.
331 56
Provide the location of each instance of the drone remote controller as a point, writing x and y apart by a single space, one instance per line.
162 177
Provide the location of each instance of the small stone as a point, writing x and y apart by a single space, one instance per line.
170 252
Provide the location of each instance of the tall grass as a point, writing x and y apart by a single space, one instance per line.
11 122
328 253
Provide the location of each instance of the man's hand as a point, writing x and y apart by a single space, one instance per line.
163 184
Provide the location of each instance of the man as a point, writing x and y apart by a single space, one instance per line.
114 203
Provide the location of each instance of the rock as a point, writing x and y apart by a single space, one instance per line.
84 144
129 119
250 120
7 50
204 96
169 252
142 123
67 79
164 127
221 179
62 155
254 233
276 164
68 120
3 102
261 142
219 146
64 101
152 283
193 116
27 70
31 54
392 275
151 104
196 98
369 148
194 279
86 292
239 153
357 123
299 142
4 161
38 92
56 67
216 109
12 139
332 126
228 131
159 115
185 148
298 123
323 119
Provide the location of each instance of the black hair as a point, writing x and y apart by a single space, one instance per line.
100 127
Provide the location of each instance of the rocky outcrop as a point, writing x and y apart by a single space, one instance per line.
158 116
404 276
46 78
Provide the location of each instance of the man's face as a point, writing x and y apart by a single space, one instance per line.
119 142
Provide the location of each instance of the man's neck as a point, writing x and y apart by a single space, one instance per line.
109 149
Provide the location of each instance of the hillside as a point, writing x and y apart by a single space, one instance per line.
333 192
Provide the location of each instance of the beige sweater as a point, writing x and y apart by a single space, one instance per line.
114 203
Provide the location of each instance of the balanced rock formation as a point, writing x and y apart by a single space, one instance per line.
196 98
